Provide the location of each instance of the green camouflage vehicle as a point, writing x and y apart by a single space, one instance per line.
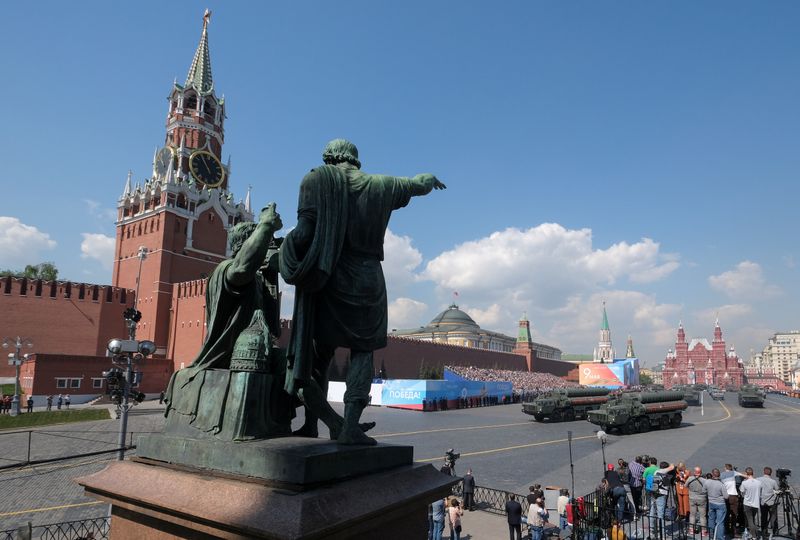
639 412
751 395
691 393
565 404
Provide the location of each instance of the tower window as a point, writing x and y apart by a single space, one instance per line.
190 102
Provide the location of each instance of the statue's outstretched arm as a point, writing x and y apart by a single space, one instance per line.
250 257
422 184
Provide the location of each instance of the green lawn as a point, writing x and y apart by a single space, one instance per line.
7 389
45 418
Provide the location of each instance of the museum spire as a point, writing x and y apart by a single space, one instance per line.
199 76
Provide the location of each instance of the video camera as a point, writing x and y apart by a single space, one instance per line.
782 475
450 457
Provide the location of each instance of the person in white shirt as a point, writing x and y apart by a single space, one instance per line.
537 517
728 478
563 501
751 493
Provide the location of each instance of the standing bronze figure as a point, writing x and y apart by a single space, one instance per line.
333 257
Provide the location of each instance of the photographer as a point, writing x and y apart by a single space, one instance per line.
769 502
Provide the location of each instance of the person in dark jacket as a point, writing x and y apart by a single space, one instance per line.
514 515
469 491
616 490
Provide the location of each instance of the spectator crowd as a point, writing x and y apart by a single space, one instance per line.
719 504
522 381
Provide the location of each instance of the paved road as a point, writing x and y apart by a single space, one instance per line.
505 448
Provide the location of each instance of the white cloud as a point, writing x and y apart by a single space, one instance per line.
746 280
101 213
20 244
726 313
559 278
401 259
544 265
405 313
99 247
491 317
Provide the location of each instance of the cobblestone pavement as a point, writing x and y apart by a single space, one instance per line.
504 447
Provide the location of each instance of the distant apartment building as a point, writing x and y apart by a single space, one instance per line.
781 354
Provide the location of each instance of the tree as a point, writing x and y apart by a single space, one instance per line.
45 270
431 372
645 379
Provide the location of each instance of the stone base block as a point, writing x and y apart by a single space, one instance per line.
295 463
152 502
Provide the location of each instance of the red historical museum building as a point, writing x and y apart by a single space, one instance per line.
699 362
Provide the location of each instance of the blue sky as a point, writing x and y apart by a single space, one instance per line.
645 154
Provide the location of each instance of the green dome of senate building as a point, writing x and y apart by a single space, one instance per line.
453 316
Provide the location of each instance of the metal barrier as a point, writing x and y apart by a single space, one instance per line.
84 529
32 447
494 500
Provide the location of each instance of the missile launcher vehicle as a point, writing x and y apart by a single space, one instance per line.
565 404
639 412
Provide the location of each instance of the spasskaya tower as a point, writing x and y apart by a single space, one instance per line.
181 213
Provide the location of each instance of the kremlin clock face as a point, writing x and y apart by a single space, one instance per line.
206 168
163 159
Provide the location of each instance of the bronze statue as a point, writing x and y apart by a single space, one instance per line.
233 389
333 257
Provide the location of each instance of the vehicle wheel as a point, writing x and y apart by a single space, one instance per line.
539 417
676 420
556 416
569 415
643 425
630 427
664 422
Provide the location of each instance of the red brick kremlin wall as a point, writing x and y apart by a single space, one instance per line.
61 316
40 375
187 322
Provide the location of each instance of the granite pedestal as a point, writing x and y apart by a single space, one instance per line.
278 489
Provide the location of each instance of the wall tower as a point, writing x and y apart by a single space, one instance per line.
181 213
604 353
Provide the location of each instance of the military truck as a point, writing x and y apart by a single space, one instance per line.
751 395
639 412
691 393
716 394
565 403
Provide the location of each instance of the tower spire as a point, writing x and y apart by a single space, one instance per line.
605 319
199 76
247 200
127 190
629 353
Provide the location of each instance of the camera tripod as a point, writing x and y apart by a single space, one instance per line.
790 515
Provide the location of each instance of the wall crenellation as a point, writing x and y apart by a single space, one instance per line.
71 290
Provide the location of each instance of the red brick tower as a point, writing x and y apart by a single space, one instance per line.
182 213
524 346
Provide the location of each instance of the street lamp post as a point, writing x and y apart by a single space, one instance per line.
14 359
126 352
603 440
